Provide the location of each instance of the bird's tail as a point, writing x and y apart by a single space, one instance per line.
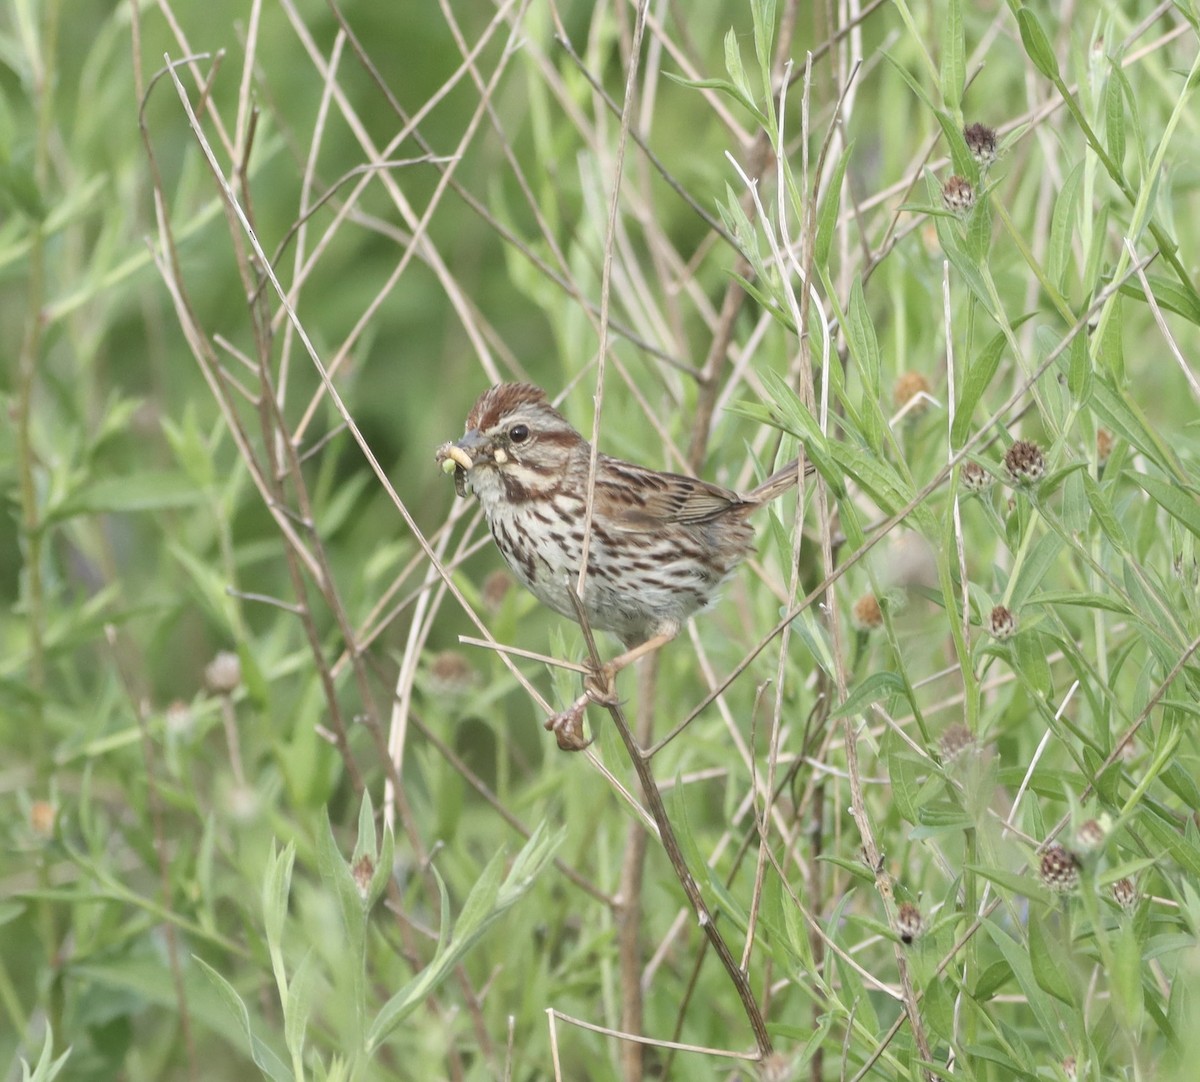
779 482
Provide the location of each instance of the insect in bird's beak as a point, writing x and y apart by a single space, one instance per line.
455 460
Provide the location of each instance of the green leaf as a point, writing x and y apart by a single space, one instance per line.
149 490
1179 503
1105 516
264 1059
47 1067
954 63
1037 45
864 346
733 65
1037 564
1168 294
489 899
980 373
1062 229
1114 119
1045 956
872 689
1017 958
726 87
827 216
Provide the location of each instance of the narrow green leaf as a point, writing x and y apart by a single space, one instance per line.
763 15
47 1067
1040 559
1079 371
872 689
1114 120
980 373
1062 228
726 87
1168 294
336 872
264 1059
733 64
827 216
1180 503
1017 958
1046 956
1037 45
954 63
148 490
864 346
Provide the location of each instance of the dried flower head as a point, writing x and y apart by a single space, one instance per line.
495 589
363 871
224 673
1090 835
1104 445
956 741
450 673
1025 462
866 614
909 923
1069 1067
1125 893
911 387
1059 868
974 477
42 814
958 194
1001 623
981 142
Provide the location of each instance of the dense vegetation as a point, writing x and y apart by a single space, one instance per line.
277 787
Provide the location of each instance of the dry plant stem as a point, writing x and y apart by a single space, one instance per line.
629 911
735 295
137 705
673 1045
670 844
635 53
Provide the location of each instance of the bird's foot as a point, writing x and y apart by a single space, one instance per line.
567 726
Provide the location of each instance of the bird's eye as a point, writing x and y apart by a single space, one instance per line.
518 433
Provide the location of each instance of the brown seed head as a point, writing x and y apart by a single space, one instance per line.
909 923
1125 893
495 589
450 673
1025 462
1070 1069
910 386
956 741
974 477
1059 868
363 871
958 194
981 142
866 614
1104 445
1001 623
42 814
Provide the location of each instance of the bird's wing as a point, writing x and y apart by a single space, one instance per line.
637 499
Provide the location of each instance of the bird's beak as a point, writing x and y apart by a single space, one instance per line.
461 456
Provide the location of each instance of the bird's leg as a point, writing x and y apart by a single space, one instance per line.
598 684
598 687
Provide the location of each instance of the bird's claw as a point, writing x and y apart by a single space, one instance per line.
567 726
599 686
